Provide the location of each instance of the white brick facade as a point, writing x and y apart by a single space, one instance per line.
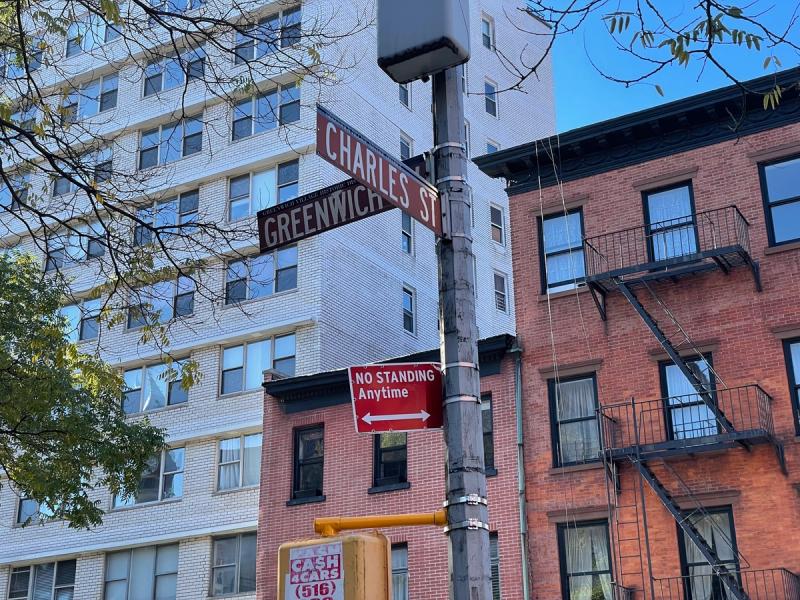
346 307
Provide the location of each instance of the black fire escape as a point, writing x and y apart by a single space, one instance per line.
641 435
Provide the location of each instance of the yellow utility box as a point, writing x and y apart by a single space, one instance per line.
343 567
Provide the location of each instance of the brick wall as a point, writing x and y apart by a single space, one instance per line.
348 475
723 313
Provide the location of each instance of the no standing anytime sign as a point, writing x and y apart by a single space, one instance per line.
396 397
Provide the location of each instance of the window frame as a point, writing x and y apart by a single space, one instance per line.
238 565
501 227
648 225
31 570
241 462
244 345
501 294
409 292
404 89
86 19
282 39
794 385
669 426
544 255
277 271
685 566
390 482
486 400
562 552
407 244
494 564
299 494
177 284
280 186
767 205
162 141
555 434
127 580
402 572
490 98
190 61
492 144
286 95
162 475
486 19
176 365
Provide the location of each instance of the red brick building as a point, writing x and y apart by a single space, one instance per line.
316 465
657 272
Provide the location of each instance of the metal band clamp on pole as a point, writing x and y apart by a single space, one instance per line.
466 365
461 398
468 524
471 499
443 145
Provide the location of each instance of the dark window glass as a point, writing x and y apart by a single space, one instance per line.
290 104
407 239
234 565
494 561
781 190
486 33
408 310
488 430
405 94
232 369
290 28
55 259
792 353
500 301
498 224
309 454
584 556
288 180
687 415
573 405
490 91
236 283
715 526
670 222
399 571
390 459
562 251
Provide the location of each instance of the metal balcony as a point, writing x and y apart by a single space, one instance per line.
712 239
684 424
758 584
621 593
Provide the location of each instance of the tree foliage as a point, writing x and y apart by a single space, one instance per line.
62 430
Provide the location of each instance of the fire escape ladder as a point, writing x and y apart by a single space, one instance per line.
728 579
673 352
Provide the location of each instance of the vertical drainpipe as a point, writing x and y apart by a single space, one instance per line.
516 349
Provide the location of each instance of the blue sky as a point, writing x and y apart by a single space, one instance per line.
583 96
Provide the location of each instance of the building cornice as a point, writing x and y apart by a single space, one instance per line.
321 390
702 120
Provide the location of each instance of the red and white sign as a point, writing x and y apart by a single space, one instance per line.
396 397
344 147
316 573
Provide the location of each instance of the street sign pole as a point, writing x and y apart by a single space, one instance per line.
467 511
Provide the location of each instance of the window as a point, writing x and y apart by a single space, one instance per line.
715 526
174 71
161 302
149 573
390 465
266 111
409 310
82 320
177 6
399 571
488 432
405 147
487 33
791 349
492 147
30 511
46 581
781 190
490 97
497 219
500 292
404 90
92 98
494 561
171 142
234 567
562 251
78 244
239 462
243 366
26 117
95 165
11 65
16 191
278 30
309 457
584 556
162 479
573 406
173 216
687 415
670 229
86 34
250 193
152 387
407 235
262 275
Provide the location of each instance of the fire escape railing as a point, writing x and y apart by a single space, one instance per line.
758 584
685 422
721 234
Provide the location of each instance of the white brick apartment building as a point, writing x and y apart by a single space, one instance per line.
190 539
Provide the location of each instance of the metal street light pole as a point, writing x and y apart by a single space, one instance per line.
467 512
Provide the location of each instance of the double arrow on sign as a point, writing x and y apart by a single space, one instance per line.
421 415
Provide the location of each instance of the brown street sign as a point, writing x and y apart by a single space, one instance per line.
344 147
323 210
